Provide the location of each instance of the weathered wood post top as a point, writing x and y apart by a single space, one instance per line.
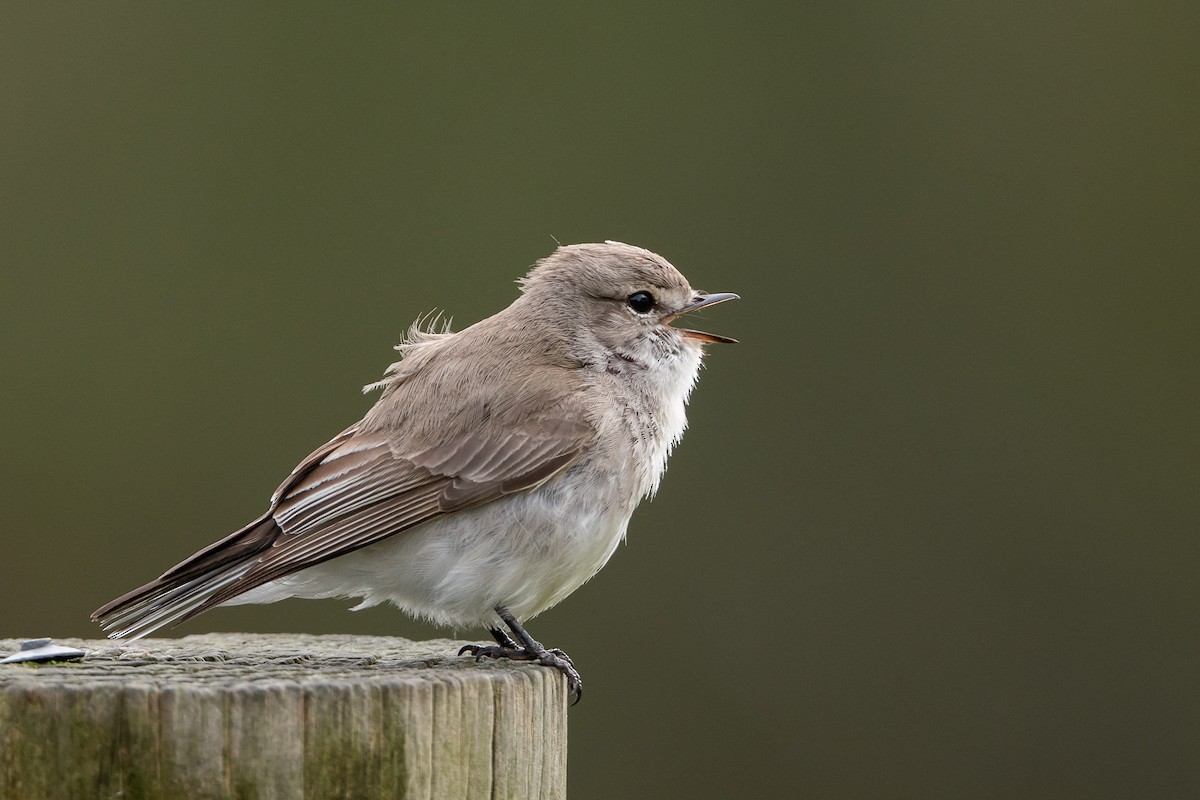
280 716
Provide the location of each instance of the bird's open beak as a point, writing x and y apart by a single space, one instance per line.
703 300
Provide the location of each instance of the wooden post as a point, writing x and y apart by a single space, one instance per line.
280 716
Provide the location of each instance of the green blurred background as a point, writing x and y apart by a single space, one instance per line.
934 530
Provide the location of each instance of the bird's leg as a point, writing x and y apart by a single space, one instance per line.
529 649
502 639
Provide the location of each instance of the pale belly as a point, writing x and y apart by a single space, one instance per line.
526 552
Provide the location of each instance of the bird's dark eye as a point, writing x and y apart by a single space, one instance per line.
641 302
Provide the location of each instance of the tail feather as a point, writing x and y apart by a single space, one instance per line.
189 587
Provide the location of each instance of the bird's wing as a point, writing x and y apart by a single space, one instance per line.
359 488
361 491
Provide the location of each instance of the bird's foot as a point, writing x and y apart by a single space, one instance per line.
551 658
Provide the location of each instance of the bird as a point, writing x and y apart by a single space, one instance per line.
495 474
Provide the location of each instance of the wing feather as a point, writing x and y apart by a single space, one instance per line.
361 492
374 480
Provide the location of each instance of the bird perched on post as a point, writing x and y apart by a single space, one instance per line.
496 473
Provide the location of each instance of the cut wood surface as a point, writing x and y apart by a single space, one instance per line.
280 716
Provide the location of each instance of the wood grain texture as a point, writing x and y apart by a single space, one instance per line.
280 716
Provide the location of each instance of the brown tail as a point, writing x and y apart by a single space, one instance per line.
189 587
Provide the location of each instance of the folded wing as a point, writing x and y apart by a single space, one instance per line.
357 489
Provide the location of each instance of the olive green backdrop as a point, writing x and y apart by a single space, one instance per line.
933 532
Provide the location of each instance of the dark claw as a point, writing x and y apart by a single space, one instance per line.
495 651
528 650
556 652
551 658
562 662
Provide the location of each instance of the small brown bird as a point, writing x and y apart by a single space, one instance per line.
496 473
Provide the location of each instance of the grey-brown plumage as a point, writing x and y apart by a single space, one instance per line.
495 474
